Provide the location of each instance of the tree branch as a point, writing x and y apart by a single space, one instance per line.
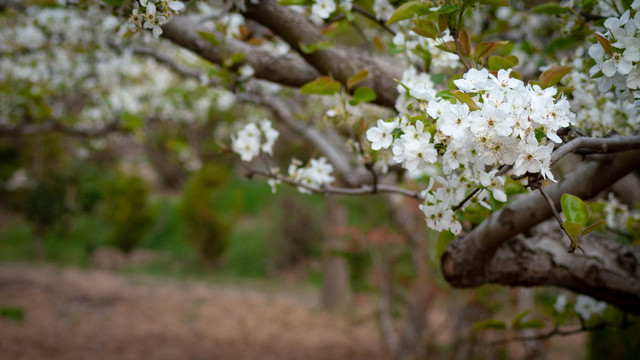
288 70
589 145
329 190
608 271
464 263
335 61
53 125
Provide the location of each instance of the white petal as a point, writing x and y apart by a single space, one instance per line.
157 31
609 68
176 5
624 67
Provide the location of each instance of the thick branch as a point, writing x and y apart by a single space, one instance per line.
336 61
464 262
55 126
589 145
608 270
288 70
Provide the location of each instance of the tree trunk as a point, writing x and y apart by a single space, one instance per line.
336 291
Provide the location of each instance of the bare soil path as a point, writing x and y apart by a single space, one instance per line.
92 314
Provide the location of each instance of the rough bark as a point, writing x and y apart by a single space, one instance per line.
608 270
487 255
336 61
289 70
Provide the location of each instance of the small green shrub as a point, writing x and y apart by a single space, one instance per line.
205 226
125 207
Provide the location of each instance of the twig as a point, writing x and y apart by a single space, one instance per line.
362 190
546 196
372 17
461 204
557 331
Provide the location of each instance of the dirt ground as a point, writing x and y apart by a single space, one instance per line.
93 314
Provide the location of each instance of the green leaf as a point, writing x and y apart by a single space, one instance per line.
530 324
588 5
518 318
113 2
490 324
494 3
574 209
357 78
131 122
292 2
553 75
311 48
209 37
444 238
234 58
465 99
12 313
323 86
550 8
363 94
426 28
409 10
591 228
573 229
448 9
499 62
487 47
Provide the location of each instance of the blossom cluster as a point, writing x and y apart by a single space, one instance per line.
617 53
152 14
585 306
498 124
253 138
316 174
258 137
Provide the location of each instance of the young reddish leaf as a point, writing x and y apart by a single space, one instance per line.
574 209
552 75
380 44
442 22
425 28
409 10
606 44
487 47
465 99
449 46
323 86
465 43
357 78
